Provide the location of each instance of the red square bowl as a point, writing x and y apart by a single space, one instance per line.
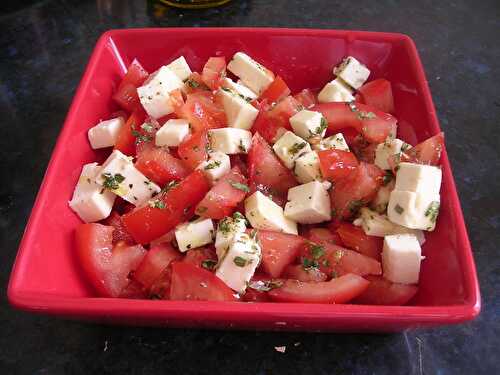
46 277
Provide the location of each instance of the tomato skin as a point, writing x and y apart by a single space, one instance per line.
306 97
213 72
133 290
427 152
202 112
269 121
125 141
253 295
120 232
193 150
378 94
323 236
148 223
297 272
192 283
197 256
126 93
223 197
355 238
339 290
278 251
107 268
336 164
160 166
276 91
195 84
383 292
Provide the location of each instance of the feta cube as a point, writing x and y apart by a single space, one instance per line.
309 124
226 230
193 234
306 167
180 68
217 165
290 147
308 203
239 88
352 72
172 133
230 140
413 210
241 260
335 91
89 200
418 178
389 148
251 73
336 141
240 114
119 175
401 258
154 94
105 133
263 213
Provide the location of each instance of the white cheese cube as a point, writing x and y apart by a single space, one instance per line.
240 114
251 73
401 258
119 176
306 167
230 140
352 72
241 260
309 124
217 165
105 133
335 91
389 148
290 147
418 178
413 210
336 141
89 200
191 235
308 203
180 68
263 213
226 230
172 133
239 88
154 94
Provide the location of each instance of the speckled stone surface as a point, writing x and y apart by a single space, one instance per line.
43 51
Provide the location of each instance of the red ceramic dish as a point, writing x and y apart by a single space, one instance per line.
46 278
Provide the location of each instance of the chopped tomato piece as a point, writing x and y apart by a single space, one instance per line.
278 250
270 123
336 164
176 100
126 139
147 223
363 150
160 166
339 290
126 94
306 97
223 198
204 257
106 267
194 149
276 91
426 152
195 83
378 94
202 112
240 161
213 72
383 292
193 283
133 290
120 233
298 272
355 238
322 236
161 287
256 295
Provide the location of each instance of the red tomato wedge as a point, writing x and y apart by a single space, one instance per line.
147 223
120 233
298 272
213 72
193 150
426 152
133 290
255 295
106 267
339 290
269 122
125 141
336 164
276 91
306 97
378 94
204 257
192 283
278 250
355 238
195 83
223 198
322 236
383 292
126 94
202 112
154 263
265 171
160 166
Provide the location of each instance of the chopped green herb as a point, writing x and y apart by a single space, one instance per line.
192 83
139 137
240 186
308 264
240 261
317 251
112 182
225 226
147 127
208 264
241 146
265 286
157 203
338 255
169 186
212 165
362 115
405 147
238 216
400 209
296 147
432 211
355 205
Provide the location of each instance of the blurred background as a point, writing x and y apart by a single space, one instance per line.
44 47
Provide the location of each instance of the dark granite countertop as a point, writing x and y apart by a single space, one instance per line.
43 51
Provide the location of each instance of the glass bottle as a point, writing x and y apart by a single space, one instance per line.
194 4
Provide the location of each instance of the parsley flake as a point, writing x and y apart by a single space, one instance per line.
432 211
212 165
240 261
400 209
296 147
209 264
112 182
157 203
240 186
265 286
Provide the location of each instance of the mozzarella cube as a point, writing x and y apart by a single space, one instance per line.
290 147
239 88
193 234
226 230
389 148
239 113
335 91
308 203
172 133
119 175
306 167
418 178
352 72
180 68
105 133
230 140
263 213
89 200
336 141
217 165
154 94
251 73
309 124
413 210
240 262
401 258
